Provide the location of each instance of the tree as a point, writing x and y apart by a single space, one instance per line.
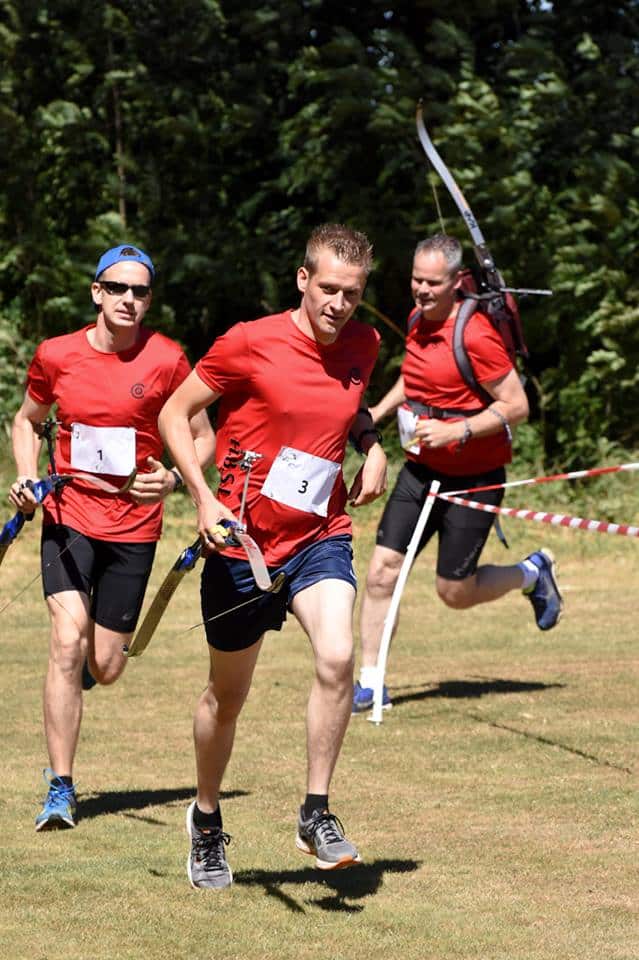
217 134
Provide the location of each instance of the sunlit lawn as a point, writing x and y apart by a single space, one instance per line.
495 807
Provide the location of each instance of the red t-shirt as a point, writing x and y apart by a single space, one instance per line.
282 389
431 377
126 389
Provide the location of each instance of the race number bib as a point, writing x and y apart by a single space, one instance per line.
301 480
103 449
406 423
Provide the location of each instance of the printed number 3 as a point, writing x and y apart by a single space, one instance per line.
304 487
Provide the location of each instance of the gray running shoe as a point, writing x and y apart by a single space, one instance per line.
206 864
322 835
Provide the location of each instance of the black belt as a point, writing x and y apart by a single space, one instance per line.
439 413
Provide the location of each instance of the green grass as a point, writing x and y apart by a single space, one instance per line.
495 807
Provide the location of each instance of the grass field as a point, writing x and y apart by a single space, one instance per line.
495 808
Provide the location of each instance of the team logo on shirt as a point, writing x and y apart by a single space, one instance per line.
229 466
355 375
137 391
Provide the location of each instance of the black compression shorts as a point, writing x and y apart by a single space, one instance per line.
462 532
112 574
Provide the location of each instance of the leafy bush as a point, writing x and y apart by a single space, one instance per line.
16 351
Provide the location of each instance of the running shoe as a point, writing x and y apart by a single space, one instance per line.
206 865
60 807
363 698
544 594
322 836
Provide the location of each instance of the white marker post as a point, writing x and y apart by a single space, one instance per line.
391 616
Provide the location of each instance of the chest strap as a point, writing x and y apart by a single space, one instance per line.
439 413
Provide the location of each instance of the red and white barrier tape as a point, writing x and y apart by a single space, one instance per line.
557 519
574 475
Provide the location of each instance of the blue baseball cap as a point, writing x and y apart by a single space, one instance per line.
123 253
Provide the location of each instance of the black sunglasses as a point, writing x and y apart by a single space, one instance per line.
116 289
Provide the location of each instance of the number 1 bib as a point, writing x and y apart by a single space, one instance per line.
108 450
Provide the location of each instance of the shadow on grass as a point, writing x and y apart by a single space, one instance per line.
538 738
472 689
338 887
124 801
483 686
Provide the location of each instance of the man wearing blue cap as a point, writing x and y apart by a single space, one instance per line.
108 382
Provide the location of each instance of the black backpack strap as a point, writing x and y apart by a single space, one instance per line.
466 310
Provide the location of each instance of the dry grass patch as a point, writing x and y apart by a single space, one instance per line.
495 806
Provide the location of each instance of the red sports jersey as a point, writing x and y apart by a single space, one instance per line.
94 389
292 400
431 377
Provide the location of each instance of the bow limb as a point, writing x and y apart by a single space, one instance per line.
185 562
483 254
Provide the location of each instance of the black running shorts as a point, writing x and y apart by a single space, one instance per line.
113 575
462 532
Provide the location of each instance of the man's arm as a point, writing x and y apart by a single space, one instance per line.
510 408
26 449
370 481
159 482
189 400
203 439
390 401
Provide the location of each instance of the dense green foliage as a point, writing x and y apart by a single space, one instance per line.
216 134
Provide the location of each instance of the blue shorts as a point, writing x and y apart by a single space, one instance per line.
227 582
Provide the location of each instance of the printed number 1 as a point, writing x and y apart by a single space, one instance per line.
304 487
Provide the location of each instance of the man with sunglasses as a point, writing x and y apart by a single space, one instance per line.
108 382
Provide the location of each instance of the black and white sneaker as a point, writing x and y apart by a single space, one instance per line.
206 865
322 836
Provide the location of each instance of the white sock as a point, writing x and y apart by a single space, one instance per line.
530 572
367 677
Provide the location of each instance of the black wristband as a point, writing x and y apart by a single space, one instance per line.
179 482
365 433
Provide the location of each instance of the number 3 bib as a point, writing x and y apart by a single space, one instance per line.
103 449
301 480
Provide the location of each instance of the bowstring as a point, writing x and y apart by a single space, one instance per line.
225 613
39 574
439 209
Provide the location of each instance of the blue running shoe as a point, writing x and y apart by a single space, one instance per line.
544 594
363 698
60 807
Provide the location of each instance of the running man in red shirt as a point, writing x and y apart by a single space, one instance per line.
108 382
460 442
290 389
